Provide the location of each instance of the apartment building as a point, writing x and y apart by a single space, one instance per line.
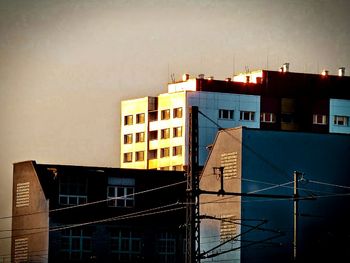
154 130
67 213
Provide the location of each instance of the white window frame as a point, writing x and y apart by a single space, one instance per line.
177 112
139 156
140 137
247 116
268 117
165 114
140 118
128 120
177 131
164 152
123 196
341 120
126 159
165 133
225 114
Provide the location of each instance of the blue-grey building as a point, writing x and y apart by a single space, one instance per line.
261 228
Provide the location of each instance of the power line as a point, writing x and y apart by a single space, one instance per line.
148 212
96 202
328 184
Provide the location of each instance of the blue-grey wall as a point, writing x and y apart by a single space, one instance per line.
272 157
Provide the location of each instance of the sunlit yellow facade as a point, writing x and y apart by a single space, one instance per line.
164 129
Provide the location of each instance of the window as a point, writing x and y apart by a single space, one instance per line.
21 250
177 113
268 117
165 133
153 116
120 196
140 118
127 138
153 135
165 115
166 246
76 244
177 150
72 190
164 152
227 228
139 156
125 245
140 137
128 120
341 120
319 119
152 154
127 157
177 131
120 192
226 114
247 115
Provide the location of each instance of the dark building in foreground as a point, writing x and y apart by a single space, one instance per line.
260 229
64 213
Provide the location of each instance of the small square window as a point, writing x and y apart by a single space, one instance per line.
319 119
128 120
177 132
127 157
139 156
177 150
127 138
341 120
165 133
140 137
177 113
164 152
140 118
165 115
152 154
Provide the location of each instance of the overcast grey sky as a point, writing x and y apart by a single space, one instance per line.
66 65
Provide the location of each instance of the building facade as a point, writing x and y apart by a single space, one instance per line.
260 227
65 213
154 130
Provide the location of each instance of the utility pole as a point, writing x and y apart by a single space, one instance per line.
192 209
296 212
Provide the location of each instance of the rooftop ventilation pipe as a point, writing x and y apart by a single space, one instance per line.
201 76
341 72
185 77
325 72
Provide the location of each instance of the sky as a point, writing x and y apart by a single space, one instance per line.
66 65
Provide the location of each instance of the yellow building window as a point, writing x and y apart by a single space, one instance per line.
177 150
139 156
164 152
140 118
165 114
128 157
165 133
128 120
140 137
177 131
127 138
177 113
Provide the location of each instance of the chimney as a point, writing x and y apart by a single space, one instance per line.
325 72
201 76
341 72
185 77
247 79
285 67
228 79
211 78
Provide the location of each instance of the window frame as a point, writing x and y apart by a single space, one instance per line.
128 120
177 112
140 137
165 133
128 138
164 152
177 132
140 118
267 117
226 114
316 119
139 156
341 120
249 114
165 114
126 159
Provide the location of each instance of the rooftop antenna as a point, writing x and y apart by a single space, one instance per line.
172 76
